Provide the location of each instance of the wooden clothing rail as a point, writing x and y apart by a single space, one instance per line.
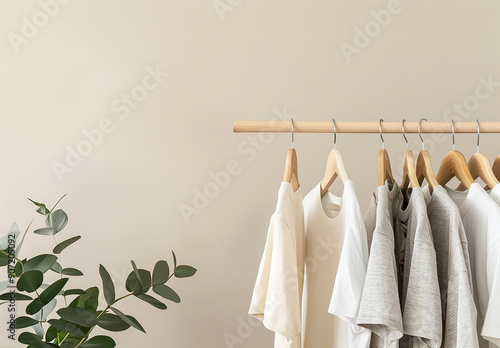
362 127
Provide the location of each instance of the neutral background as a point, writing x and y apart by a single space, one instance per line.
226 60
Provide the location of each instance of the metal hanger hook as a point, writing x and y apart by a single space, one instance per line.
477 121
420 134
334 134
380 130
403 129
453 133
292 132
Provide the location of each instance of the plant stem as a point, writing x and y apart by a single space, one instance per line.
61 263
57 203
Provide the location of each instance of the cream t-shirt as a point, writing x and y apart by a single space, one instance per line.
277 294
326 230
481 218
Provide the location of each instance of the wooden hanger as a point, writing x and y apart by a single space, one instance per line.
334 166
496 167
291 171
384 164
479 166
454 164
424 165
409 171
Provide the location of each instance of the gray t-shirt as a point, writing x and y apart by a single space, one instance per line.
420 299
380 309
454 272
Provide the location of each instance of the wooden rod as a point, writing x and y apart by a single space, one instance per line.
361 127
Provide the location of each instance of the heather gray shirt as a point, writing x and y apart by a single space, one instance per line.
380 309
420 299
454 272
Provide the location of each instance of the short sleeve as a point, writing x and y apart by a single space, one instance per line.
275 299
351 274
491 327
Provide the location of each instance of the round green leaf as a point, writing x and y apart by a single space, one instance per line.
107 285
18 269
46 231
112 322
29 338
99 342
161 272
59 219
152 301
184 271
63 245
30 281
166 292
136 286
22 322
41 262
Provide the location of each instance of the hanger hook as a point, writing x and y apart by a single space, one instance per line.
380 130
334 134
420 134
453 133
292 132
477 121
403 129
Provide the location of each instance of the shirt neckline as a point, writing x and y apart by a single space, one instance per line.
332 221
294 195
463 199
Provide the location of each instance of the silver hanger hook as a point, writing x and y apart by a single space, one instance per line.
420 134
403 129
477 121
380 131
453 133
292 132
334 134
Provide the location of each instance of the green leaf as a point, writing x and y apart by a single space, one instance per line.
99 342
56 267
51 334
78 316
184 271
52 290
41 262
22 322
45 231
65 326
133 284
30 281
73 292
42 209
4 257
47 309
128 319
17 296
152 301
18 269
136 272
68 344
175 259
166 292
107 285
88 301
63 245
59 220
72 272
33 341
38 330
112 322
4 284
34 306
161 272
12 235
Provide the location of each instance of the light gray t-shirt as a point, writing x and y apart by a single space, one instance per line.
421 300
454 272
380 309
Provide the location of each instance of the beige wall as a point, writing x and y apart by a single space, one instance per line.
247 60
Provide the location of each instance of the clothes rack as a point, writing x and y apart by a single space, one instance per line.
361 127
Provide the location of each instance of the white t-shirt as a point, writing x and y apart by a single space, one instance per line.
481 218
277 294
326 231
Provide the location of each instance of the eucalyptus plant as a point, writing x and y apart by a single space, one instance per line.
78 313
